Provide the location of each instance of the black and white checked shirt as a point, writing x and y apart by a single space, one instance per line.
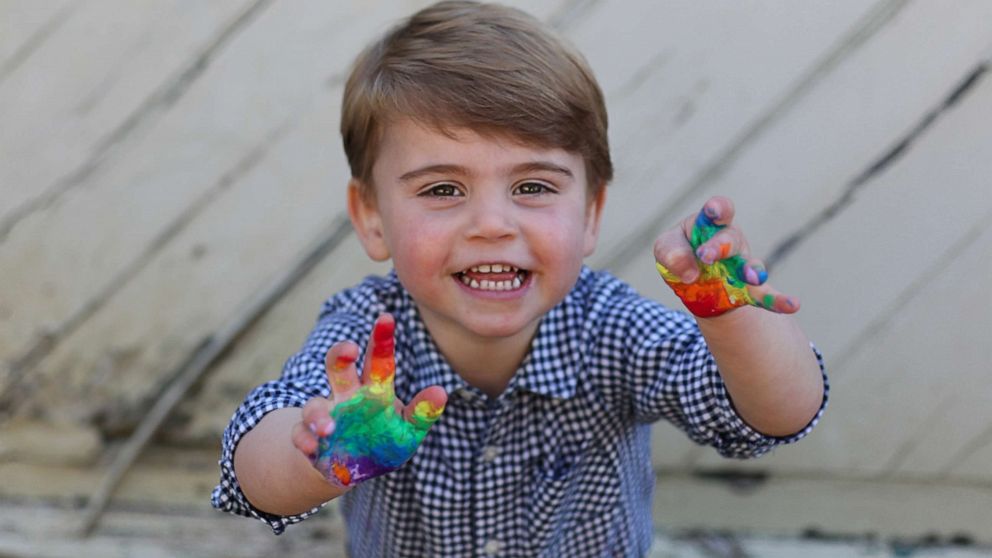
558 465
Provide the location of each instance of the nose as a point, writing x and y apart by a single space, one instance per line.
491 217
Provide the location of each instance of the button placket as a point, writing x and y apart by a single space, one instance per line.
489 508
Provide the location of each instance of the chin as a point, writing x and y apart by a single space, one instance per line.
497 328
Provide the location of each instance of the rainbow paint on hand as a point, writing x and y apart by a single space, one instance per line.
371 437
721 286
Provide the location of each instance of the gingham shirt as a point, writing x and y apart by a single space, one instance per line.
558 465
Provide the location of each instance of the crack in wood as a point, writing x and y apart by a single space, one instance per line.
34 42
571 13
15 390
155 104
878 167
632 246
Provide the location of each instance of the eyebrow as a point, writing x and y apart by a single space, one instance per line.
530 166
433 169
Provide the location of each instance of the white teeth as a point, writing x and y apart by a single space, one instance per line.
489 285
493 268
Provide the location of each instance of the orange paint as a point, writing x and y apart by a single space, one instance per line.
342 473
724 250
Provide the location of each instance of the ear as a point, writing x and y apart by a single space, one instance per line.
594 211
367 222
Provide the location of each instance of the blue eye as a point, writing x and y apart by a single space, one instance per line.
534 188
443 190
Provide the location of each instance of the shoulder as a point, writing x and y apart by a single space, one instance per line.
601 295
611 313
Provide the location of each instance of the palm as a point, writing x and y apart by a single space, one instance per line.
371 435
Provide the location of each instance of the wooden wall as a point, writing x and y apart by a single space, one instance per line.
164 165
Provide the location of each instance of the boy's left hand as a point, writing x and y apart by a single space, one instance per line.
706 261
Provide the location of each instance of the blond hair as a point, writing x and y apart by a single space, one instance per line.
485 67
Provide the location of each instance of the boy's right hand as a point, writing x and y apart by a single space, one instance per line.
363 431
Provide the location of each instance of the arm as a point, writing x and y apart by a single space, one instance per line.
766 363
764 358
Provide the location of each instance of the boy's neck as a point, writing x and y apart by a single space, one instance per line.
486 363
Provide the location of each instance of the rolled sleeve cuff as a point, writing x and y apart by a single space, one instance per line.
748 442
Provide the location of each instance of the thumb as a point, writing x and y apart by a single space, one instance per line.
426 407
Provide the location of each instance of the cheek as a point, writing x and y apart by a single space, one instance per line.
561 240
416 242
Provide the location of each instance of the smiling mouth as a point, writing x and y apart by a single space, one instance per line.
493 277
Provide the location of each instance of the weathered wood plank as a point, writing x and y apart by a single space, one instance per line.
165 180
94 73
87 88
786 506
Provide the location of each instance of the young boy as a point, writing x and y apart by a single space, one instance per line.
478 148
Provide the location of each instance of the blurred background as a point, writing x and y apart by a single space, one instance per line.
172 216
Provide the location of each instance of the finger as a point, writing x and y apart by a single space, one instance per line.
341 372
304 439
770 299
717 213
723 244
674 255
754 272
380 365
317 417
718 210
426 407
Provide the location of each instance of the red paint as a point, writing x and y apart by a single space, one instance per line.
344 361
382 336
705 298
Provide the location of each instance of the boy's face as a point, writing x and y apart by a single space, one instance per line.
486 234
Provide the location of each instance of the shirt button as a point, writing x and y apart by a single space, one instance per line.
464 394
492 547
489 454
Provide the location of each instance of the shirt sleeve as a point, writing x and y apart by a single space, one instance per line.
303 377
674 377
